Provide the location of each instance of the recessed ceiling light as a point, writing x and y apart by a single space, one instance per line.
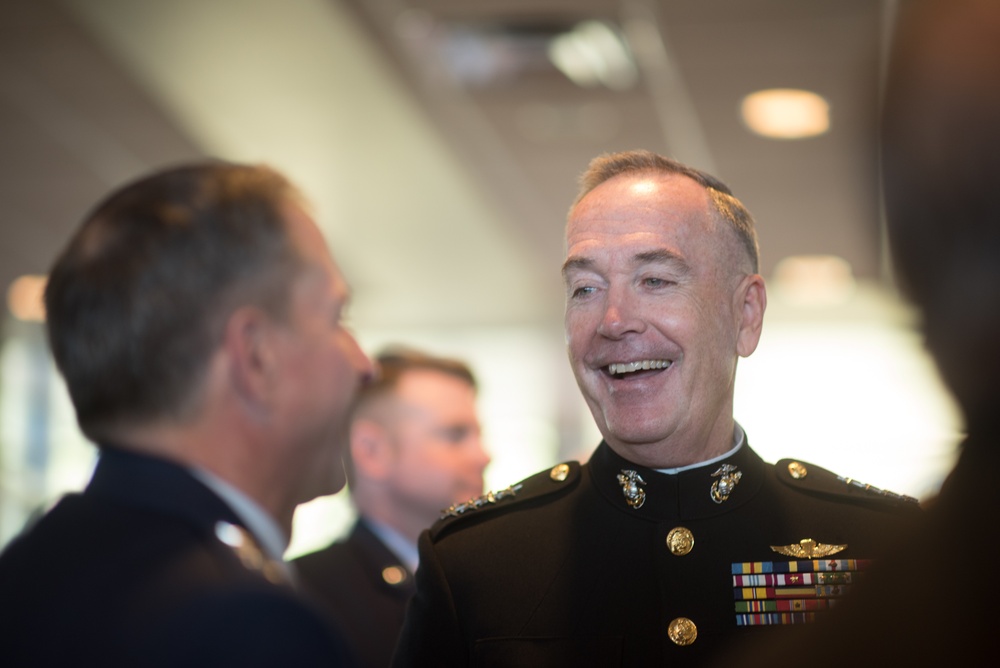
814 280
786 113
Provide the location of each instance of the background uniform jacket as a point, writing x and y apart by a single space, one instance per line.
132 573
563 571
364 587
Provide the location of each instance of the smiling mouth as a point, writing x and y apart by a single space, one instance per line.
622 368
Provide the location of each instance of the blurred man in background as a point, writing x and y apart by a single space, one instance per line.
415 449
195 316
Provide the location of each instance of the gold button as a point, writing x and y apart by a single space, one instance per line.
560 472
394 575
682 631
797 470
680 541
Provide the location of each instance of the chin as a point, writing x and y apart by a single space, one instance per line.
632 429
318 484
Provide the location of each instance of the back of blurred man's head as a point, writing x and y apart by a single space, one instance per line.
941 162
136 302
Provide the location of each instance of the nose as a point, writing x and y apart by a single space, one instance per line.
621 314
363 365
480 458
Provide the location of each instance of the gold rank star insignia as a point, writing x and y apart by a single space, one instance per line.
807 548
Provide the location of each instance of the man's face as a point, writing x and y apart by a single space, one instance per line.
322 365
656 316
437 455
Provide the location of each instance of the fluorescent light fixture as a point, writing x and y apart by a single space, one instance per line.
592 54
25 298
786 113
815 280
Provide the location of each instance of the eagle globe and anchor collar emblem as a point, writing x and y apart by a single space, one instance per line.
630 481
728 476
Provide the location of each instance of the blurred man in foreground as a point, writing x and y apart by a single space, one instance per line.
928 601
675 538
195 316
415 448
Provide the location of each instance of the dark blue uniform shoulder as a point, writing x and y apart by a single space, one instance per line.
816 480
545 485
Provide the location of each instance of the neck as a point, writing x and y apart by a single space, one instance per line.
221 455
678 449
406 521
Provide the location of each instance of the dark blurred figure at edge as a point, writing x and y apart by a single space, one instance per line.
930 601
665 546
415 448
195 316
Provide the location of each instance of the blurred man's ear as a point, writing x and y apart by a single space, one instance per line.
371 450
751 302
249 348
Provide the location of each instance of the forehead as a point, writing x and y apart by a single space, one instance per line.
420 383
643 204
319 269
644 213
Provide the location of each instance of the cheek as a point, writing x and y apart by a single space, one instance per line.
337 370
580 320
438 464
576 339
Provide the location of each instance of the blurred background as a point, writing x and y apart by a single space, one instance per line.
440 142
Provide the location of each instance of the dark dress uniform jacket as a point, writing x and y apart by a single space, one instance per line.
567 573
131 573
931 600
365 588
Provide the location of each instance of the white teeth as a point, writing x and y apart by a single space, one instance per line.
629 367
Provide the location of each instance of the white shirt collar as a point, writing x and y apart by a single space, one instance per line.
404 549
739 437
264 528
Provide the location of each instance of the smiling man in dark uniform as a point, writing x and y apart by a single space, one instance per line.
196 318
675 538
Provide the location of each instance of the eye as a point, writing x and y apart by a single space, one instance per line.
582 291
456 434
656 282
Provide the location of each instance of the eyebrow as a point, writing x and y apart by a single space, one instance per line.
658 256
576 262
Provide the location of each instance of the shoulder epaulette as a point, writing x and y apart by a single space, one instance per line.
811 478
560 478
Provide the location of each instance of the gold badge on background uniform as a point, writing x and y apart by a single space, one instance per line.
394 575
635 495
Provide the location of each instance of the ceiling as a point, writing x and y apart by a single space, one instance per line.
440 147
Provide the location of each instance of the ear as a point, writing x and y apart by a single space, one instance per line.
249 344
751 301
371 448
